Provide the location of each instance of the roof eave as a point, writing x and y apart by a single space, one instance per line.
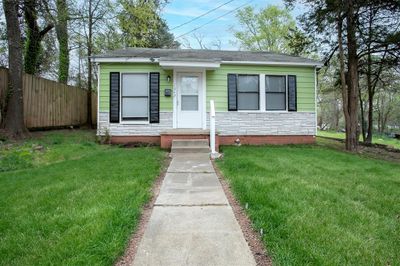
124 59
157 60
274 63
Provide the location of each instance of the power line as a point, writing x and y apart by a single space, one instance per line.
202 15
199 27
223 15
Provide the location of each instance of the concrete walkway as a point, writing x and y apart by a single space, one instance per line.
192 222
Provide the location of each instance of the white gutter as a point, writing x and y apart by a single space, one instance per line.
198 64
272 63
187 64
124 60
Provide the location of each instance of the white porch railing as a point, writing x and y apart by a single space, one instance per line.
212 127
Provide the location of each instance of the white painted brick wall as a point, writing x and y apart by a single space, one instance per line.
227 123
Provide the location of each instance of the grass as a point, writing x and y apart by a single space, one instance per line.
376 139
318 206
47 148
74 202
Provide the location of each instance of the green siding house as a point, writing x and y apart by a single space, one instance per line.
156 95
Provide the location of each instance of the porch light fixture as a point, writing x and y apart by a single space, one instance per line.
168 78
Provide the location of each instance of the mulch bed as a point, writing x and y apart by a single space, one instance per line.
252 237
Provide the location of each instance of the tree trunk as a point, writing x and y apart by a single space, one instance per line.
343 76
89 54
352 88
14 119
370 115
363 126
62 37
369 80
33 38
32 45
337 111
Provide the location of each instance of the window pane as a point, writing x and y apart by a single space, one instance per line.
275 83
248 101
135 85
190 103
189 85
275 101
135 107
248 83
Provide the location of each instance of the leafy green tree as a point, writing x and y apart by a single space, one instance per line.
336 24
328 98
299 43
362 33
378 51
266 30
142 26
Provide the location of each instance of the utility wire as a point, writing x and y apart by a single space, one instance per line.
199 27
223 15
202 15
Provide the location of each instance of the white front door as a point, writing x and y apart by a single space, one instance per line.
189 101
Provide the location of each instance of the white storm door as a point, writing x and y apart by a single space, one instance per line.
189 100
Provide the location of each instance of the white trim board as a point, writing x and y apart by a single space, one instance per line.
125 60
271 63
188 63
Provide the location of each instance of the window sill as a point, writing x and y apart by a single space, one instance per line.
259 111
134 123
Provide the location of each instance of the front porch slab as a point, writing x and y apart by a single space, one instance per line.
167 136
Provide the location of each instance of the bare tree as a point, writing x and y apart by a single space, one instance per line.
91 14
201 43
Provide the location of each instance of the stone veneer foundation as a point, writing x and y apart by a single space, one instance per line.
249 127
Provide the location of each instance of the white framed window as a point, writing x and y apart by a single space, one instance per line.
248 92
134 97
275 93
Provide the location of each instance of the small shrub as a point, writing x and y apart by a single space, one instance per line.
105 139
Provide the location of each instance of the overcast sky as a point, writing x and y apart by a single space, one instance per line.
180 11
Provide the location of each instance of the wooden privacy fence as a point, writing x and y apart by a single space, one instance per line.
49 103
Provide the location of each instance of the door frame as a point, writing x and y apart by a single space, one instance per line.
202 94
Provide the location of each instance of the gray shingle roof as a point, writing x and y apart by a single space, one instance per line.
205 55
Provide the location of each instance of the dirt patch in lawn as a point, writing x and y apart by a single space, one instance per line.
375 151
130 252
252 237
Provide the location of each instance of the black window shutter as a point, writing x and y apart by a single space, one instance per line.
292 93
114 97
154 97
232 92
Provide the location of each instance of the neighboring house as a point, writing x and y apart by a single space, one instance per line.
156 95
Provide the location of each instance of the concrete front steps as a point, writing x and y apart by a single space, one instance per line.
190 146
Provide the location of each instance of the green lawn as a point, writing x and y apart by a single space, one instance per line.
318 206
74 202
376 139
